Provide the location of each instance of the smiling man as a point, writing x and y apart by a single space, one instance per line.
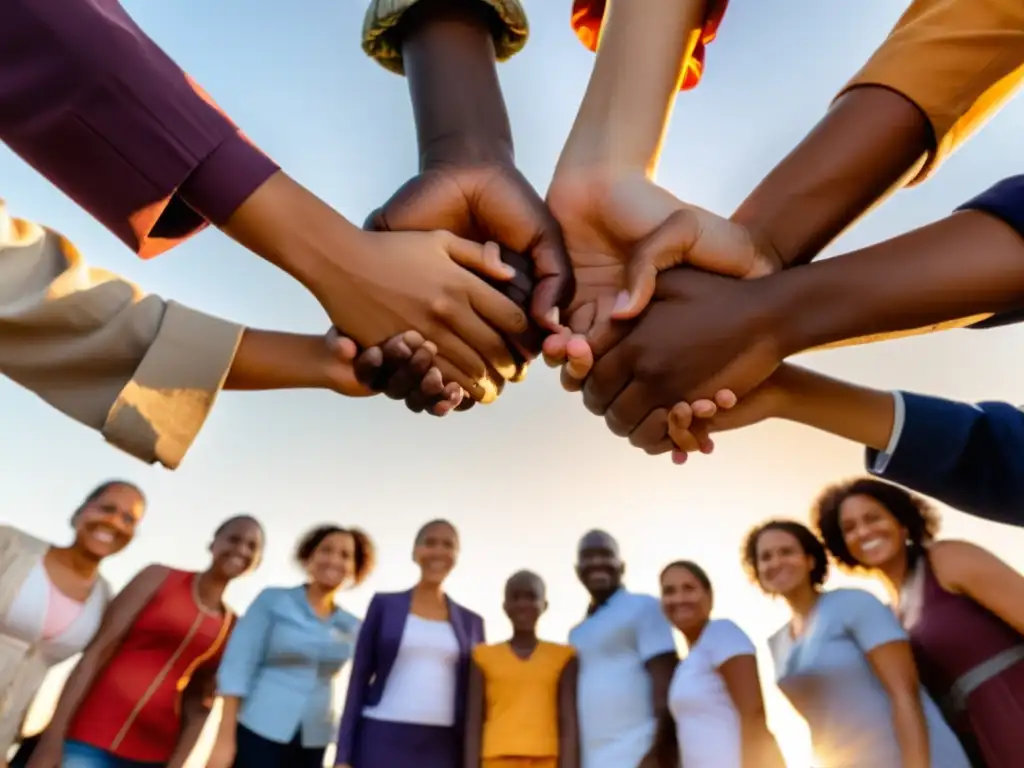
627 655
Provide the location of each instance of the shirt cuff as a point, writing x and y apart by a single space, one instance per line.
226 178
879 461
159 413
383 16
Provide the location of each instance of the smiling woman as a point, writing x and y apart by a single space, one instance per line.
141 692
52 598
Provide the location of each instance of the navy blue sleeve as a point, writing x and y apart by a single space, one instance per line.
1005 201
970 457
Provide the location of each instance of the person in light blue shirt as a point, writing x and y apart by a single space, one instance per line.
278 670
627 655
845 663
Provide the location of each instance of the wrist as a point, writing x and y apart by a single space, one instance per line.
268 360
453 42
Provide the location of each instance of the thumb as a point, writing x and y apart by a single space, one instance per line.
666 247
483 259
341 346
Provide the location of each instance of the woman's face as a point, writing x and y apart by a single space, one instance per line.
333 562
782 565
873 536
106 525
237 549
436 552
685 601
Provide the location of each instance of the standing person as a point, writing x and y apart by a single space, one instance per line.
522 692
627 657
277 675
962 607
406 698
52 597
844 662
716 711
140 695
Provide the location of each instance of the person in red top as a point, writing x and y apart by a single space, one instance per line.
140 694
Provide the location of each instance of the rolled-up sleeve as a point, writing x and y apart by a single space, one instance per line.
93 104
959 61
141 371
384 15
588 15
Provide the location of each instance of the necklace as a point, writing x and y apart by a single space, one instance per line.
199 602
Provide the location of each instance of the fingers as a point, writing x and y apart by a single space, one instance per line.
342 346
652 434
666 247
630 407
555 285
687 430
483 259
610 376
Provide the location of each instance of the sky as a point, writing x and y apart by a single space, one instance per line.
524 478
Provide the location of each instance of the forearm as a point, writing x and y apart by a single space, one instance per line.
860 414
228 727
951 273
445 42
194 716
759 748
911 732
868 144
259 363
625 112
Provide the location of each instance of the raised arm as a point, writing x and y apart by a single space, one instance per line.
117 621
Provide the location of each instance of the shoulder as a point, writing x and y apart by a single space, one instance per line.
849 604
959 564
483 654
561 653
642 606
269 596
727 631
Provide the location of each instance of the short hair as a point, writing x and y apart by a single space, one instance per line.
430 524
97 492
240 518
365 550
809 543
912 512
695 570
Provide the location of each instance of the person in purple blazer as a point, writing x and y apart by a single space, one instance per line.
407 691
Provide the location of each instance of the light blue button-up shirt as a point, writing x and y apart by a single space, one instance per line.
281 661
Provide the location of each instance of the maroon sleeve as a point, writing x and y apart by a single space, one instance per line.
93 104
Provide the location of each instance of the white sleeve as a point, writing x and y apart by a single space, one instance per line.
653 632
726 641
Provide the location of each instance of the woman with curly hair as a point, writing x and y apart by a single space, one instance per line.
844 662
278 671
962 607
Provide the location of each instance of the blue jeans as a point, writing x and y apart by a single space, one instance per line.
79 755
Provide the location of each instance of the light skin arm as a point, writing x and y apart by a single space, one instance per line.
893 664
568 722
741 681
969 570
475 706
622 121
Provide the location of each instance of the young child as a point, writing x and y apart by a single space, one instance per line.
521 710
968 456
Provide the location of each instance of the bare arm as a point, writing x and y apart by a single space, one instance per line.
978 574
568 721
660 669
893 664
196 703
475 712
117 621
741 680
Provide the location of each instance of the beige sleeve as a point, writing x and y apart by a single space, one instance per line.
960 61
142 371
383 15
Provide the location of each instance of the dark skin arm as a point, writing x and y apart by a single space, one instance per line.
741 680
660 669
664 752
568 723
196 702
468 183
816 192
117 621
476 705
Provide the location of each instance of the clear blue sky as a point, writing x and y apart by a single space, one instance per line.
525 477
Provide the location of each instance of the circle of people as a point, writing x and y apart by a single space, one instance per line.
934 680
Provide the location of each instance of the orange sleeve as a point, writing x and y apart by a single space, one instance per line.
587 16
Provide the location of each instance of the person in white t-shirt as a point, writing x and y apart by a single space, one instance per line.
716 711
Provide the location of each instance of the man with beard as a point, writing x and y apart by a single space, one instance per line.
627 655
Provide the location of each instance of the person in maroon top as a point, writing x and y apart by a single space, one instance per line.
962 606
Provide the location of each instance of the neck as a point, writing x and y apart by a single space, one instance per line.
522 638
210 587
321 598
429 590
895 572
596 601
692 634
802 601
81 563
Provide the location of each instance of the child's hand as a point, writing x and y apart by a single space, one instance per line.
402 368
691 424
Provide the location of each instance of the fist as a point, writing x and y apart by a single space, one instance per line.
525 346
